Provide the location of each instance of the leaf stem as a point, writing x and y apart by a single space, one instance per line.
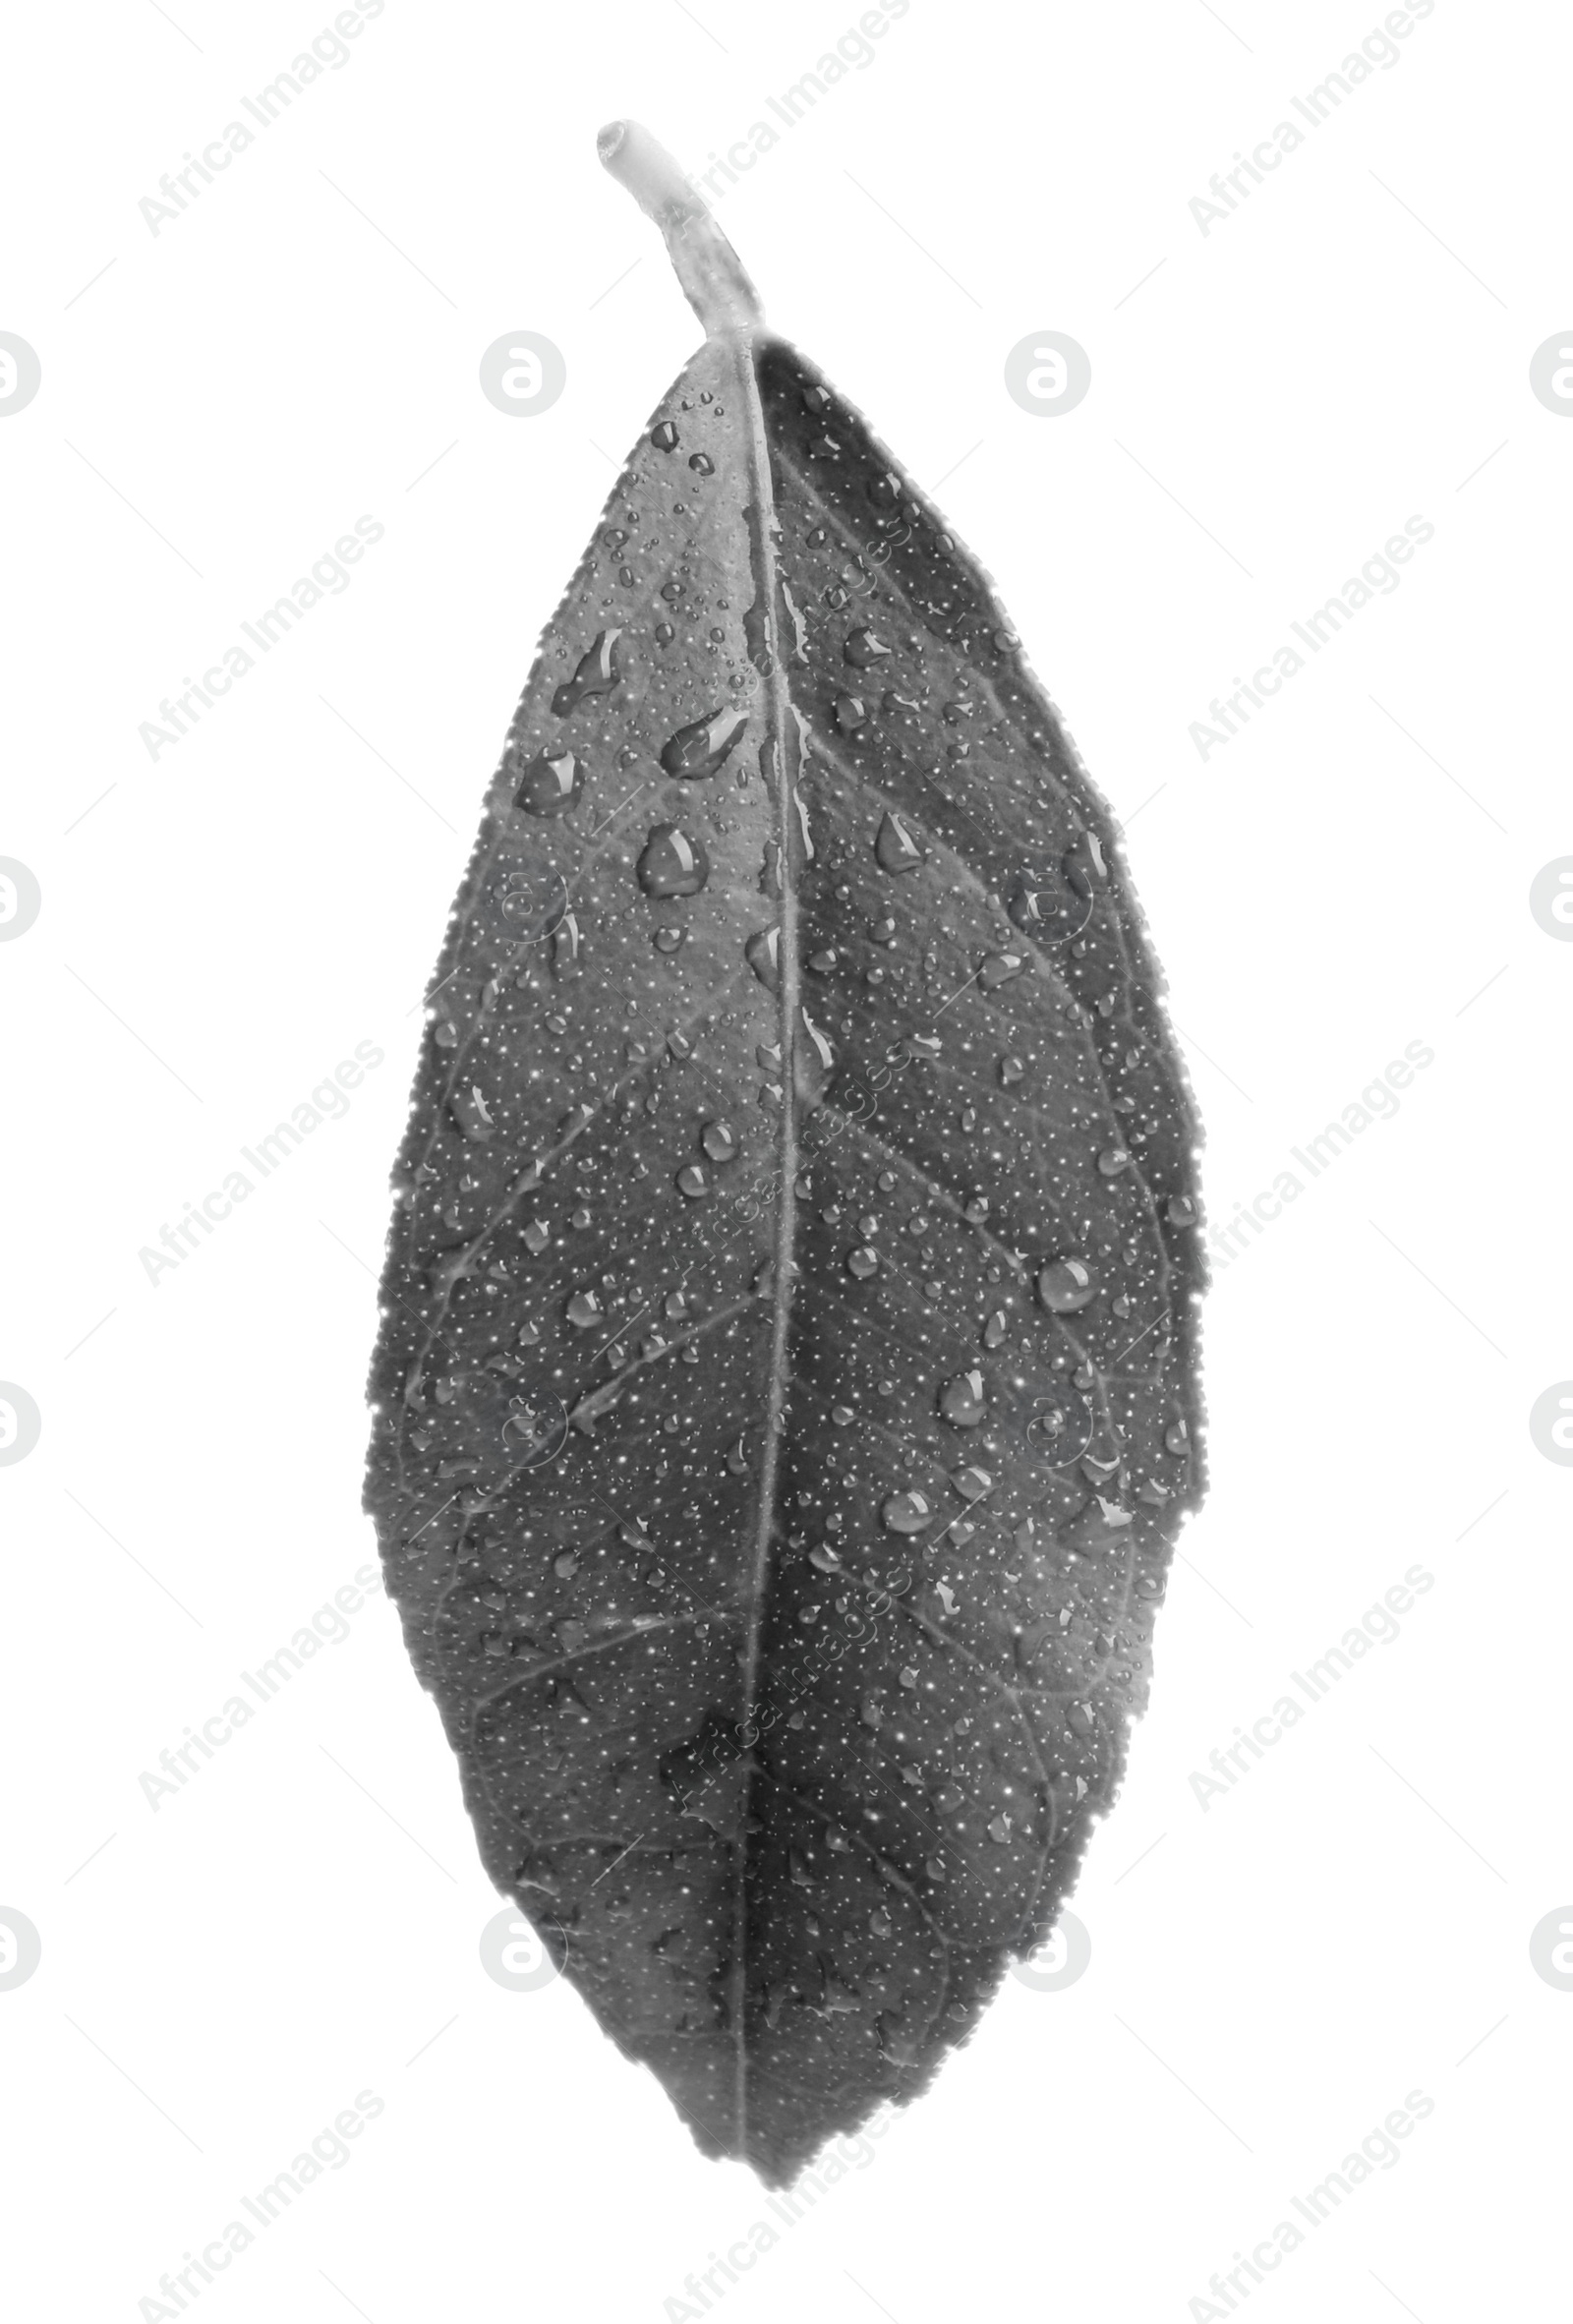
708 267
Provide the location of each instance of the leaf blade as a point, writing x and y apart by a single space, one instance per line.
788 1882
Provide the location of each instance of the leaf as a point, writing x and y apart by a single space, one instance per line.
786 1400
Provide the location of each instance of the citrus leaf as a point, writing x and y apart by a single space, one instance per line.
786 1400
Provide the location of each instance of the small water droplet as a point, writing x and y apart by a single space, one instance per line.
1181 1211
1049 911
672 862
994 1329
1177 1437
1113 1160
670 939
702 464
1011 1070
895 849
842 1415
537 1235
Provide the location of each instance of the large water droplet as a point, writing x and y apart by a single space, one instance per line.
473 1114
862 1262
551 784
692 1181
584 1309
664 435
1066 1285
961 1400
720 1141
1000 969
973 1484
762 952
672 862
905 1513
597 673
863 649
697 751
895 849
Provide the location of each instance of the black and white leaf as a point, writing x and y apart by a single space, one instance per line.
786 1400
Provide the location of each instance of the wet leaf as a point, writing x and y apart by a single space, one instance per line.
785 1401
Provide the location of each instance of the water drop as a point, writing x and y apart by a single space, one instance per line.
842 1415
863 649
672 862
669 940
1181 1211
473 1114
762 953
994 1329
584 1309
961 1400
1066 1285
905 1513
895 849
664 435
720 1141
1011 1070
1000 969
973 1483
849 712
597 673
1177 1437
1113 1160
537 1235
701 750
862 1262
692 1181
702 464
551 784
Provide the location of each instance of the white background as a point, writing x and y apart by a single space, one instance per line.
1269 1977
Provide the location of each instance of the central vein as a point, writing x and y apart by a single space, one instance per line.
780 747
